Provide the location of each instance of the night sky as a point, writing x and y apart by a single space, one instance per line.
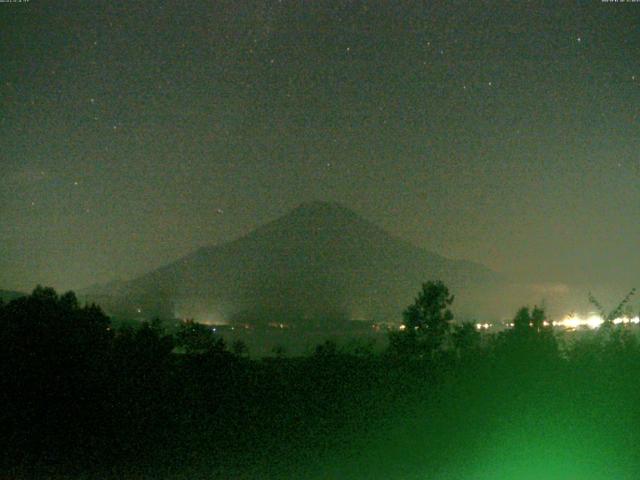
502 132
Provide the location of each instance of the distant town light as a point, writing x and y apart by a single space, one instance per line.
592 321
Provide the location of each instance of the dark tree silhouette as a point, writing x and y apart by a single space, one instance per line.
466 338
198 338
327 349
279 351
531 340
522 321
239 348
53 363
124 403
427 321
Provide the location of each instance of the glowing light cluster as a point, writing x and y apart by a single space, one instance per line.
591 321
483 326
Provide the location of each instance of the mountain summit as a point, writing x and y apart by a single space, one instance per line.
320 263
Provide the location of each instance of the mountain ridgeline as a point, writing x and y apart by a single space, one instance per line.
8 295
318 265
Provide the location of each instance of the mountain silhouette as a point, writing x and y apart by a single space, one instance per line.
319 264
9 295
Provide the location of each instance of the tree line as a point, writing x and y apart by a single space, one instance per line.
81 396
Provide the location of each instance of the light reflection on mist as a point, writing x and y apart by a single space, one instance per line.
592 321
201 314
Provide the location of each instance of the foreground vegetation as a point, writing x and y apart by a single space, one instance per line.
83 400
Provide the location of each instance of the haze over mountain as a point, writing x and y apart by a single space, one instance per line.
319 263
